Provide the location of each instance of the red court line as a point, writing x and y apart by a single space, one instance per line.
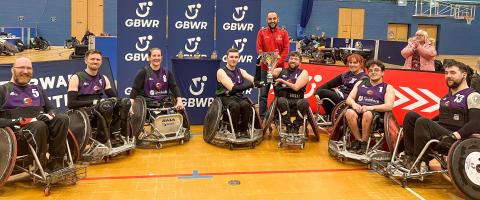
224 173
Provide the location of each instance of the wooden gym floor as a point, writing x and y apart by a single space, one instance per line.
197 170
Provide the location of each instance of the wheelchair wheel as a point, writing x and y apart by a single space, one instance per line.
137 120
8 147
269 116
212 120
74 146
464 167
392 129
337 130
342 105
80 127
313 123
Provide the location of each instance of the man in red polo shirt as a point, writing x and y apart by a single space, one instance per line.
270 39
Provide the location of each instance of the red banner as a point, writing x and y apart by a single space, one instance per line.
417 91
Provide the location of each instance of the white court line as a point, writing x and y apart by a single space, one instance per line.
409 189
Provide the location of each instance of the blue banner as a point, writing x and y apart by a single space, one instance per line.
197 86
190 27
141 26
53 76
238 23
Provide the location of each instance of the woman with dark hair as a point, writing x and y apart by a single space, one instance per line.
339 87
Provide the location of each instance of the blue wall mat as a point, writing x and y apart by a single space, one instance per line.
108 47
37 13
389 52
110 16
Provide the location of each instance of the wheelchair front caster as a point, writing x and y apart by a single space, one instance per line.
404 183
182 141
302 146
158 145
106 159
280 145
252 145
230 146
130 152
47 191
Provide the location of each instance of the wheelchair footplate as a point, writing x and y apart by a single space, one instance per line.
338 150
292 140
95 152
128 145
164 129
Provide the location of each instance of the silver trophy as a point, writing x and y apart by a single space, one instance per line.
270 59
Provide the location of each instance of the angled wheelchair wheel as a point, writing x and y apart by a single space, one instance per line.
338 124
313 123
80 128
464 167
342 105
137 120
392 129
74 146
8 155
211 122
269 116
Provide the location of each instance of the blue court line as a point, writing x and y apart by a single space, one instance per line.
194 176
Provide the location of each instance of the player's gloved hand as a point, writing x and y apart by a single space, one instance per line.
44 117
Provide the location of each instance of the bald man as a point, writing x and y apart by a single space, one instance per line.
26 109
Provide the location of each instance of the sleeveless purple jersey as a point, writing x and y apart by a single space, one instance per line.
156 83
89 85
21 97
454 108
371 95
348 82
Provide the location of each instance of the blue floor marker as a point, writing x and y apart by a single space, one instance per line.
194 176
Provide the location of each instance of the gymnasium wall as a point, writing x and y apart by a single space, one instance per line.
51 17
454 36
324 18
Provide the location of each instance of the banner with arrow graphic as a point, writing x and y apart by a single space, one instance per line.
414 90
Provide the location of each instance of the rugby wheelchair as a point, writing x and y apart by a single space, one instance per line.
381 141
218 127
91 127
159 122
460 165
18 162
295 138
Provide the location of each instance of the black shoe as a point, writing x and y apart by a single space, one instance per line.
55 164
355 145
363 148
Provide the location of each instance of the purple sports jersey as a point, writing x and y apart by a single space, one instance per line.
89 85
290 76
21 97
235 76
454 108
156 83
369 95
348 82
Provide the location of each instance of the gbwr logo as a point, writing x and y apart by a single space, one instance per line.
196 88
192 13
238 15
240 44
142 11
142 45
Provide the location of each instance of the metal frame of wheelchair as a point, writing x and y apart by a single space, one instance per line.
289 139
454 164
25 165
380 137
165 116
91 150
218 127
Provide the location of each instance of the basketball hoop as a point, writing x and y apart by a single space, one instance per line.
469 20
